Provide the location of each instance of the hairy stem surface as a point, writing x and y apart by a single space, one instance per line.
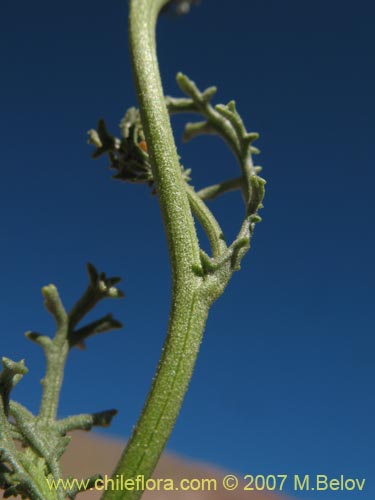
188 310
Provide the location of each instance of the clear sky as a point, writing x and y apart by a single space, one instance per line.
285 378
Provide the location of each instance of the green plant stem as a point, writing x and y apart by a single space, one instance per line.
208 222
189 308
57 353
212 192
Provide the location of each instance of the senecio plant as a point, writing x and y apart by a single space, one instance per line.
31 445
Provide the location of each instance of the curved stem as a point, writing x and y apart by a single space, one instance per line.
212 192
208 222
189 308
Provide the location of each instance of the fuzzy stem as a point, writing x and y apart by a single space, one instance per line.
208 222
188 310
56 353
212 192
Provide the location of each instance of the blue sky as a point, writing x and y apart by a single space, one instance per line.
283 380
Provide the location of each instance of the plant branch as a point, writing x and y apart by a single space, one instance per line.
212 192
197 279
188 311
27 472
207 221
86 421
56 353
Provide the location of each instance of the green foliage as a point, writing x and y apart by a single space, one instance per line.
31 445
198 278
144 153
129 156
